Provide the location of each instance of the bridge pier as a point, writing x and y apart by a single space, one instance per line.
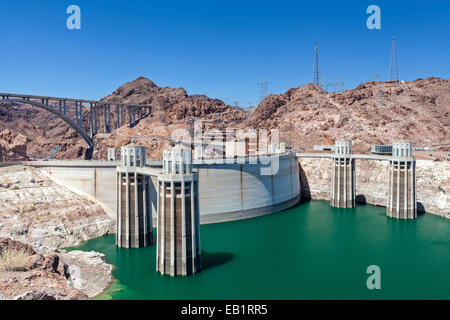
95 119
343 176
134 218
104 119
81 115
76 112
118 117
129 117
109 118
91 120
121 108
402 201
178 219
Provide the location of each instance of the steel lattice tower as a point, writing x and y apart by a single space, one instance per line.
393 71
316 76
262 89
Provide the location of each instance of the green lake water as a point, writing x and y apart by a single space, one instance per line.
311 251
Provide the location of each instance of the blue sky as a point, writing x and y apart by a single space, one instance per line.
218 48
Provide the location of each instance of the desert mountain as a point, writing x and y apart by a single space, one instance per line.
372 113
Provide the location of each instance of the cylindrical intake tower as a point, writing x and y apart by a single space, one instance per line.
402 201
343 176
178 243
134 218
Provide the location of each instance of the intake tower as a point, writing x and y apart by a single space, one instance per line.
402 202
134 218
343 176
178 244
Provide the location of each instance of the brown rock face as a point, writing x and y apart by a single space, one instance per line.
13 146
372 113
7 243
39 134
174 104
170 108
43 278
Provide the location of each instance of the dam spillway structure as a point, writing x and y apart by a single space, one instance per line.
134 218
402 200
178 218
343 176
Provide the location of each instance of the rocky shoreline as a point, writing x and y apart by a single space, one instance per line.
40 217
46 274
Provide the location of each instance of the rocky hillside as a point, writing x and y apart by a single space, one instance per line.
171 108
174 104
29 132
28 273
373 113
46 136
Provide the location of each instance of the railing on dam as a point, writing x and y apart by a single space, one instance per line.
353 156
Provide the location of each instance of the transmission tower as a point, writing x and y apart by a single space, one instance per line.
376 76
326 85
316 76
338 83
262 89
393 71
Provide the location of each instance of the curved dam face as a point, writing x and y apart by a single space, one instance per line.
226 191
239 191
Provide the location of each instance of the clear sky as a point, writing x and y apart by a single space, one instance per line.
218 48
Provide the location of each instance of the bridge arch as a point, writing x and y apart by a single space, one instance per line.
86 137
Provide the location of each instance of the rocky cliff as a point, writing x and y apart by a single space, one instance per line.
372 113
36 134
372 179
35 209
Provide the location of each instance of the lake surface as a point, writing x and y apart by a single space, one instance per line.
311 251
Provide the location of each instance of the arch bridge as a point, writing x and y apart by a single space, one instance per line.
86 117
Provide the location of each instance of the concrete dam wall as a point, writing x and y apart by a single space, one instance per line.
226 191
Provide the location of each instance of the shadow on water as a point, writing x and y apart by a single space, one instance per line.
214 259
420 208
360 199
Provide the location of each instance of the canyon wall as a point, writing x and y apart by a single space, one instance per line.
372 178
